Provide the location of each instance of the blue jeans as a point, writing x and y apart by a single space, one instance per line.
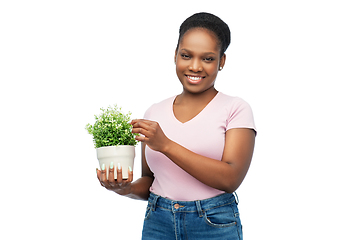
213 218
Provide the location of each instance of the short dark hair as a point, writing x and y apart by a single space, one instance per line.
210 22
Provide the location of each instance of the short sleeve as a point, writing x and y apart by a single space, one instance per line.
240 115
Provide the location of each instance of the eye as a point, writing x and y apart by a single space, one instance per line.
209 59
185 56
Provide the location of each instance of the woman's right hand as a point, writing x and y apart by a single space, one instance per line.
119 185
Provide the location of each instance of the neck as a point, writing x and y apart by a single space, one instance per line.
203 97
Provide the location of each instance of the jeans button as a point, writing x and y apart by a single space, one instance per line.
176 206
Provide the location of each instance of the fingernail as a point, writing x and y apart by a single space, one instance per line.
111 165
130 169
103 166
119 166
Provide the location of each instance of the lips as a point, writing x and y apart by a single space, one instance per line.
194 79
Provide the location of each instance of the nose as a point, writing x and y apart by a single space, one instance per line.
195 66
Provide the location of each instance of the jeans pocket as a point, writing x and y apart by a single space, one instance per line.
148 212
220 217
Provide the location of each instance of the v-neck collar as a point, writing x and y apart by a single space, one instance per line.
197 115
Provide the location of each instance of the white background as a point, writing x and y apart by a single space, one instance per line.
296 63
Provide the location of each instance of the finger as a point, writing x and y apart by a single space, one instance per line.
130 175
142 123
141 138
140 120
98 174
134 121
111 178
143 134
119 174
103 179
140 130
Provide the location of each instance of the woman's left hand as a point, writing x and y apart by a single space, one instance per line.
151 134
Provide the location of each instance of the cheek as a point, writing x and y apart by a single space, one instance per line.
212 70
180 66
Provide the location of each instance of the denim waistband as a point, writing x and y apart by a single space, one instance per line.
156 201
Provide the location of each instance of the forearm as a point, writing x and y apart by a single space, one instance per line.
214 173
225 175
139 189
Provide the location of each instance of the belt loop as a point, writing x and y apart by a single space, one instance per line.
236 198
154 202
198 206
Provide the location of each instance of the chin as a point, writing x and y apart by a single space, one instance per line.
197 89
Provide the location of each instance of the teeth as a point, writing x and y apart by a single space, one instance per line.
194 78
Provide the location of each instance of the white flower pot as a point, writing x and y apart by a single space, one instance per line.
122 154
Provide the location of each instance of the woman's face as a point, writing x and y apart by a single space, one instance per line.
198 60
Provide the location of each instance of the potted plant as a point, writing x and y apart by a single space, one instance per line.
113 139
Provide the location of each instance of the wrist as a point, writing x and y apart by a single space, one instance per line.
124 190
167 147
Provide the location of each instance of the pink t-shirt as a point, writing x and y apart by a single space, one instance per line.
204 135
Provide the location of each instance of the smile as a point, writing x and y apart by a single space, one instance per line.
194 79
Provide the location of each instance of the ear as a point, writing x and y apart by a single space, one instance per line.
176 51
222 61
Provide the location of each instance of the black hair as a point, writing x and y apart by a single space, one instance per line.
210 22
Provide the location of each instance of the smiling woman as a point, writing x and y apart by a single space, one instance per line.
198 60
196 146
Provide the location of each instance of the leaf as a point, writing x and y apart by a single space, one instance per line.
112 128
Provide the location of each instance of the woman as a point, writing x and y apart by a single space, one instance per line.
196 147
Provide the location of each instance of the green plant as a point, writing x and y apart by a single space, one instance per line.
112 128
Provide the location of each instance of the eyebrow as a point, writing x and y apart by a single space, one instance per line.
184 49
